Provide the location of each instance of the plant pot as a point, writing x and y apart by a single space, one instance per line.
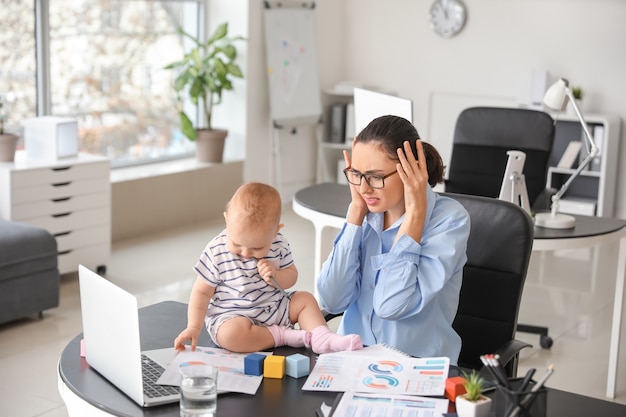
467 408
8 144
210 144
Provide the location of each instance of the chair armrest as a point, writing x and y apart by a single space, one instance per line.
329 316
543 202
509 355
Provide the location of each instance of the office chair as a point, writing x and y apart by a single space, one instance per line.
498 253
482 137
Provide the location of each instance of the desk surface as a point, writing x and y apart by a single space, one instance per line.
275 398
333 199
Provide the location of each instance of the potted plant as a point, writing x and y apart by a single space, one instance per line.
8 141
204 73
577 92
473 403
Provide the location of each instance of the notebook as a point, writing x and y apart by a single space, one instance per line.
112 342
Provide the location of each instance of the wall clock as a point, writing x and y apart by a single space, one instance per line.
447 17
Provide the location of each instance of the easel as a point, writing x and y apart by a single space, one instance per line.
295 98
276 153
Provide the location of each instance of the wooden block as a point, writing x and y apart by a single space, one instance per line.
274 367
297 365
253 364
454 387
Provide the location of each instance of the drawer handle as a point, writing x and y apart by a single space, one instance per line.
65 252
61 184
58 200
61 168
62 214
62 234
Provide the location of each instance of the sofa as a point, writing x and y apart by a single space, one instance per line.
29 278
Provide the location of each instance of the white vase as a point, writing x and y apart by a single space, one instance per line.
467 408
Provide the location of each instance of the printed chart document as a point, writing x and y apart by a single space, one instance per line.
231 376
385 372
362 404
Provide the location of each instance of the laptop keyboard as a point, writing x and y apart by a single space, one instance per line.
151 373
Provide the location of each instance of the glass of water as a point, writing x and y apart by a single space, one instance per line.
198 390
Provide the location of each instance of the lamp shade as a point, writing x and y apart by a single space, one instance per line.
555 96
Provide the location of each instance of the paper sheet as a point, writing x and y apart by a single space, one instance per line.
380 373
231 376
380 405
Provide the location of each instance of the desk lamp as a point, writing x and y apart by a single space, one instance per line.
555 99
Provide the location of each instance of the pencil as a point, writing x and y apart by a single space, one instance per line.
533 391
526 379
277 285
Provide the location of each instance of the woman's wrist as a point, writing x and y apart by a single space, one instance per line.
356 215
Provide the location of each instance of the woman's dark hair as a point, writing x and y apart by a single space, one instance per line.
391 132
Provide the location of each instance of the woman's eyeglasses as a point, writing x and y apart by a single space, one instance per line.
376 181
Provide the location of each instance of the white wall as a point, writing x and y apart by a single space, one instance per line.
389 44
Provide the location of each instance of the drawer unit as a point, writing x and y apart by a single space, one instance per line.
71 198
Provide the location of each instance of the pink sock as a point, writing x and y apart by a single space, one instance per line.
325 341
284 335
297 338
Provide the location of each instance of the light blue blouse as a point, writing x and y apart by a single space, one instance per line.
405 295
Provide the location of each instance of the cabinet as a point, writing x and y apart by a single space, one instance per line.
330 154
593 191
71 198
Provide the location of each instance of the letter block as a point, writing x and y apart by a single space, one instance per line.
298 365
454 387
274 367
253 364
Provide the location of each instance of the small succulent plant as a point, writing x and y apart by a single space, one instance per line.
474 385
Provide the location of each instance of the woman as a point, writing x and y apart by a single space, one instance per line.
396 266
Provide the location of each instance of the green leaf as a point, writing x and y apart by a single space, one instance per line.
234 70
197 88
187 127
230 51
181 81
219 33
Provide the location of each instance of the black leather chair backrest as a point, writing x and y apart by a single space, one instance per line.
482 137
498 253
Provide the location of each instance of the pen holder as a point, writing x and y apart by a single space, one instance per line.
515 403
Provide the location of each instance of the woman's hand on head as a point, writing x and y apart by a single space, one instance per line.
414 175
358 207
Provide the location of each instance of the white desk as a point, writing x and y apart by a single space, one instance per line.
326 206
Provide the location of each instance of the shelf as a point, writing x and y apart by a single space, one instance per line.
593 191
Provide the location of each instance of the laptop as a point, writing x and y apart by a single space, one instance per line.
112 342
369 105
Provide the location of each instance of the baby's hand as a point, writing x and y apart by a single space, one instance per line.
190 333
266 270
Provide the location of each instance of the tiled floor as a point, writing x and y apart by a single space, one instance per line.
562 291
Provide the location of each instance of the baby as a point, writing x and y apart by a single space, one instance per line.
241 274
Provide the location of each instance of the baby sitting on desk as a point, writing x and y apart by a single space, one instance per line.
241 274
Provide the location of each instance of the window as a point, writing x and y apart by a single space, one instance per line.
17 61
100 61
